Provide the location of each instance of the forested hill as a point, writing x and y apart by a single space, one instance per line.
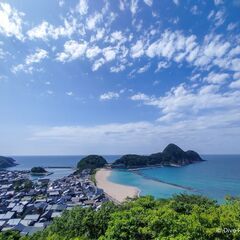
171 155
6 162
179 218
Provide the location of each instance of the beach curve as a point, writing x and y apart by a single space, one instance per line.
117 192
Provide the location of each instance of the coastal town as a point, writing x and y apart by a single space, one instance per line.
29 206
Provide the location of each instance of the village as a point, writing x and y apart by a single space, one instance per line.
30 206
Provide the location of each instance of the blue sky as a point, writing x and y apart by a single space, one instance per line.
113 77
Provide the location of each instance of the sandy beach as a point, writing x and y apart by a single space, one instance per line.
116 191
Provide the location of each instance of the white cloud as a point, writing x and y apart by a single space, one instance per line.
72 51
176 2
69 94
50 92
217 17
144 68
137 49
117 69
235 84
216 78
93 20
183 102
82 7
27 67
61 3
205 134
122 5
92 52
45 30
134 6
109 53
218 2
162 65
97 64
232 26
118 36
37 57
109 96
11 21
149 2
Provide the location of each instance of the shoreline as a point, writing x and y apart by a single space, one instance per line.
116 192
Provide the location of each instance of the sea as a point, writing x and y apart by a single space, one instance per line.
216 178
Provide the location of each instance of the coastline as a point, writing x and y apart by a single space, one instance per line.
116 192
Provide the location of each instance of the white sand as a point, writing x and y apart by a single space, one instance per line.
117 192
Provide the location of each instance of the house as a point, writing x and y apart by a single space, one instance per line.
2 223
13 221
32 217
8 216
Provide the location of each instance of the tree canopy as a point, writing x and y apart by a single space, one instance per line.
182 217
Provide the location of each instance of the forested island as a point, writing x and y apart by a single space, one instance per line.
172 155
91 162
6 162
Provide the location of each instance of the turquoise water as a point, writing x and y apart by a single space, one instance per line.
217 177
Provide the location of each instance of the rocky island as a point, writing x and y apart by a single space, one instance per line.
6 162
172 155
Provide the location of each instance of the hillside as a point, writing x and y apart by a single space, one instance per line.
6 162
91 162
171 155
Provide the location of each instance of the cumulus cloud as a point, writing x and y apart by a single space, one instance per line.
216 78
72 51
235 84
93 20
82 7
11 21
109 96
182 102
137 49
92 52
45 30
27 66
109 53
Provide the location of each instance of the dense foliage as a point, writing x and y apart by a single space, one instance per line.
172 154
183 217
6 162
91 162
38 170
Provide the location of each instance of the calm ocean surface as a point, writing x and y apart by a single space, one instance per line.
27 162
217 177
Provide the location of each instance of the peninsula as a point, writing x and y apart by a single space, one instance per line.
172 155
6 162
